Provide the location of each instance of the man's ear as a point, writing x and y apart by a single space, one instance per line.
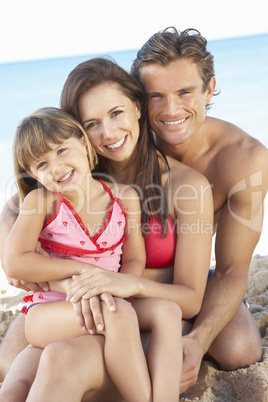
210 89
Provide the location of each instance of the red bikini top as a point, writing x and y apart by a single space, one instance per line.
160 252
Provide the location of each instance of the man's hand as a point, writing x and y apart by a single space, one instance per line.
89 312
192 359
36 287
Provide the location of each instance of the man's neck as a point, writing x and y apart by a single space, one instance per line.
187 153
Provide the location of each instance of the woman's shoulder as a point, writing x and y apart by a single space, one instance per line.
183 175
121 190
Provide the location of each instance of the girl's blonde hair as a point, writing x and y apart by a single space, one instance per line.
33 137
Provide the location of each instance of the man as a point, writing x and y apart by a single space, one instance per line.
177 73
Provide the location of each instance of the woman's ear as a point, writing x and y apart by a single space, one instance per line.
138 109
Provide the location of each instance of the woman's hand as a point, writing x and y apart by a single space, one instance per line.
99 281
89 312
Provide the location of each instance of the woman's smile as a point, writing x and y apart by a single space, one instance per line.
117 145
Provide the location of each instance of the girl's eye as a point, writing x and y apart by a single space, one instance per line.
60 151
40 165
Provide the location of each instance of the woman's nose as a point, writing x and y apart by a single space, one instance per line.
108 130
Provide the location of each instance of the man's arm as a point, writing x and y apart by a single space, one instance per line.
239 230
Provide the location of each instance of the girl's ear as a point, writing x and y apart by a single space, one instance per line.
31 174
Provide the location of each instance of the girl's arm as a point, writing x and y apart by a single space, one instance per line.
134 257
21 260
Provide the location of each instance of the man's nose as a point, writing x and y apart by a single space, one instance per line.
171 106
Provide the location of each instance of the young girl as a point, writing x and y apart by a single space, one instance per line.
79 220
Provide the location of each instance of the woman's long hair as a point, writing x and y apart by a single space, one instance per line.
145 159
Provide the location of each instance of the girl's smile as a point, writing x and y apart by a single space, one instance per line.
64 168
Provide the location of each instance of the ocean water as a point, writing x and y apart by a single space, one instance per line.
241 66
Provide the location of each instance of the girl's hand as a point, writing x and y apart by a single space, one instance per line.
89 312
99 281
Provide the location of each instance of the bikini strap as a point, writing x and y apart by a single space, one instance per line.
107 189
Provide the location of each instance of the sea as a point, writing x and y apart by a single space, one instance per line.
241 67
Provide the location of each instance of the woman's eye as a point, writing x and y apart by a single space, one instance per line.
90 125
116 113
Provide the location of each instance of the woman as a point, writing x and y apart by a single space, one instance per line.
176 206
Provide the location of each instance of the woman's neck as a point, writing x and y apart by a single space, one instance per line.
124 174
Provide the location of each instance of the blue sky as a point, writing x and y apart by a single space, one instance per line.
34 29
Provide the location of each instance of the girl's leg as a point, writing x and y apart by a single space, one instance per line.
50 322
124 356
163 318
71 369
20 376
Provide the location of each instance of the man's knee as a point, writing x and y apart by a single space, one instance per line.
239 343
13 343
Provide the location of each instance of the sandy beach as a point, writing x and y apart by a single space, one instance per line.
243 385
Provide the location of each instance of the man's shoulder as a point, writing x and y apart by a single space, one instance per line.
233 146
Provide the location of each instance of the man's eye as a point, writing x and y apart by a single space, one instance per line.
154 96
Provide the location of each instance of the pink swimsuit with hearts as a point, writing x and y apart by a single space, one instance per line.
65 236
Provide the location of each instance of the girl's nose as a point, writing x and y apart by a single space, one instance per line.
56 168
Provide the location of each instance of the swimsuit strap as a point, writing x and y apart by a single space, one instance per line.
107 189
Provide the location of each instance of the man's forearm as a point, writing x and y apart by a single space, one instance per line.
7 218
223 297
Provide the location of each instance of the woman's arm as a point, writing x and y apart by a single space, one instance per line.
193 208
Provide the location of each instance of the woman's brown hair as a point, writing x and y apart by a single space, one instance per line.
95 72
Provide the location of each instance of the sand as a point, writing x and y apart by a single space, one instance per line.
243 385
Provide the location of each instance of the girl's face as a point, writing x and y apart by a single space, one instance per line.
64 168
111 121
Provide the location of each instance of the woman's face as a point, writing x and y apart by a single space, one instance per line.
111 121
